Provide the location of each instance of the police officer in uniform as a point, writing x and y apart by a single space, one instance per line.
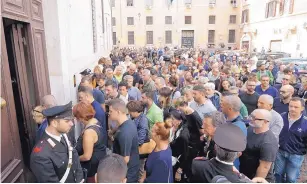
53 159
230 141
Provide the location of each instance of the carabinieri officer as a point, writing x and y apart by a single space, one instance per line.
53 159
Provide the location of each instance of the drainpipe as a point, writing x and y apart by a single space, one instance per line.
110 4
120 19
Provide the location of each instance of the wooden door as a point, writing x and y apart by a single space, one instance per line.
31 12
24 83
30 48
187 39
11 157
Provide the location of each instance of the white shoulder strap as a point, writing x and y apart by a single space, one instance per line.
69 160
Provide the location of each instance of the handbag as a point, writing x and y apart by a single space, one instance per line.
147 147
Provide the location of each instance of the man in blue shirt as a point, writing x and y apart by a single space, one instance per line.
281 104
230 106
133 72
265 88
125 139
97 94
292 143
85 94
184 65
132 91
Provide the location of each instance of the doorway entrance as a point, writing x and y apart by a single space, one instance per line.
22 82
187 39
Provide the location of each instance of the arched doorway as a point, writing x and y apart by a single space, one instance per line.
245 42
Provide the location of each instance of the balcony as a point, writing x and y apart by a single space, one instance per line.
212 3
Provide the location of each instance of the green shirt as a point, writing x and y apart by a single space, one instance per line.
154 115
243 111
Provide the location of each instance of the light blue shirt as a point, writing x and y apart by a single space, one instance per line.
134 93
203 109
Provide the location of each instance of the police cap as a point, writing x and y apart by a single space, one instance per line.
59 112
86 72
230 137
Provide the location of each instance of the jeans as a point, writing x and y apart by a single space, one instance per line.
287 167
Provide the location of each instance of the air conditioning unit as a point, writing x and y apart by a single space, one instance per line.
235 5
148 7
212 5
189 6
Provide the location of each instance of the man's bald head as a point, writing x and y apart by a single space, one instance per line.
286 92
132 69
48 101
132 65
287 88
265 102
262 114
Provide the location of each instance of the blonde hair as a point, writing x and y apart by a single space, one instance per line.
97 68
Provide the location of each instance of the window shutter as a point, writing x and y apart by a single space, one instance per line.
291 6
267 10
274 8
247 15
281 7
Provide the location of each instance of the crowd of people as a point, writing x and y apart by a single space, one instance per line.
186 115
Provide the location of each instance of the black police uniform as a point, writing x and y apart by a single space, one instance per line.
228 137
49 158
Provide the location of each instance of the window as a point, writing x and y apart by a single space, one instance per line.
245 16
232 36
130 21
129 2
149 37
286 7
113 21
149 20
130 37
212 2
114 38
270 9
211 36
168 37
148 3
232 19
187 1
212 19
168 20
112 3
233 2
188 19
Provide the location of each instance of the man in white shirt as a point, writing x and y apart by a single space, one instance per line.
123 91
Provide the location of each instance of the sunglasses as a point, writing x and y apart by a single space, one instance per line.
252 118
36 111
